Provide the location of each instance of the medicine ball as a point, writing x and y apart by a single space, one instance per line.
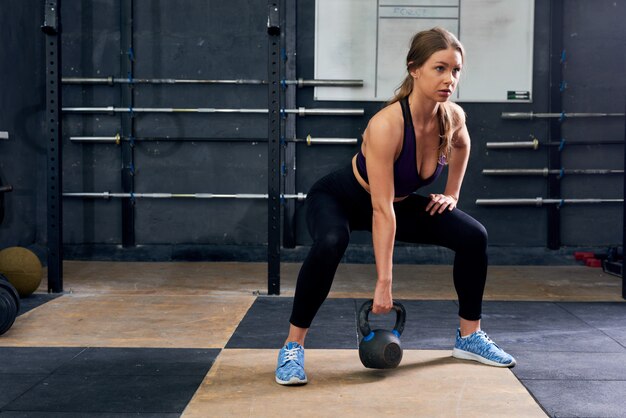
22 268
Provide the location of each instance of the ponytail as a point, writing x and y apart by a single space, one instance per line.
448 120
403 91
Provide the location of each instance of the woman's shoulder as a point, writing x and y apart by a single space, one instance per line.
385 127
387 118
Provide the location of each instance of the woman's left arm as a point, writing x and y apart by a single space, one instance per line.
457 165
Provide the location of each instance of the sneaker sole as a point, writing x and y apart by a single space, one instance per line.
294 381
466 355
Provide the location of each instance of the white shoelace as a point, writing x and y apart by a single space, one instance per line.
486 338
291 354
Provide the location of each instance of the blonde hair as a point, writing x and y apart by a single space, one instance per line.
423 45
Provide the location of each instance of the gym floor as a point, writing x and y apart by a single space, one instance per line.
201 339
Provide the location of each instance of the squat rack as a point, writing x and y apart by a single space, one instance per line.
51 28
281 132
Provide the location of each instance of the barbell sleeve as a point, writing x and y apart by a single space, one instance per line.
325 83
328 141
325 112
6 188
535 144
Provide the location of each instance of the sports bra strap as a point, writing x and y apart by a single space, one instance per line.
408 120
406 112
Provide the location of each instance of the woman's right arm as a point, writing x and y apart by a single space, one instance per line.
383 141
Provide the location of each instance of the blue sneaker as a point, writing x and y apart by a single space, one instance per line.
290 368
479 347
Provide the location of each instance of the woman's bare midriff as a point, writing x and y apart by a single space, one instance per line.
364 184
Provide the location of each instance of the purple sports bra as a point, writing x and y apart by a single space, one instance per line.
406 178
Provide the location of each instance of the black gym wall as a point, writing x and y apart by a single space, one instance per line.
22 107
228 40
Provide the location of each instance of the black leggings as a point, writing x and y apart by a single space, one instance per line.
337 204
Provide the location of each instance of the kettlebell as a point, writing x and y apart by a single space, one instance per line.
380 348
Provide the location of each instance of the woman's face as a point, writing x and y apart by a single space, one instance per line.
438 77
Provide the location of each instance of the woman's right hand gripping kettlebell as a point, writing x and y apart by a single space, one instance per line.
383 301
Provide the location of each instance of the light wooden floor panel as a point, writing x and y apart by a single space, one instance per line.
100 320
428 383
538 283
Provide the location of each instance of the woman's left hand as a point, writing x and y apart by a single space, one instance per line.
440 202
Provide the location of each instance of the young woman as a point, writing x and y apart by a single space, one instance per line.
405 146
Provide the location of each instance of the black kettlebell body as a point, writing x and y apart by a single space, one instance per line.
380 348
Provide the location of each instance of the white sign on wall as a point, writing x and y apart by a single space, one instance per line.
369 40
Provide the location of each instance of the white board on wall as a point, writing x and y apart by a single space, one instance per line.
369 40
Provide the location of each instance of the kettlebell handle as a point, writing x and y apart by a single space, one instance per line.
366 308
